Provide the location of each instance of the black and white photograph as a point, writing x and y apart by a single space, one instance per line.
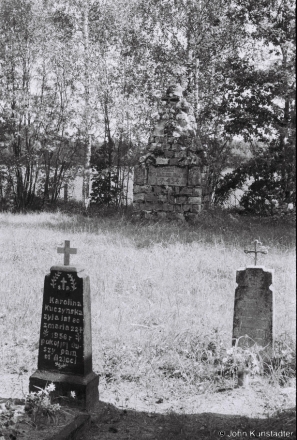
147 219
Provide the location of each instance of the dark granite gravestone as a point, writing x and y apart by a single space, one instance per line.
253 307
65 345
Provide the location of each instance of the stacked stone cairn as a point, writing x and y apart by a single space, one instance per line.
171 179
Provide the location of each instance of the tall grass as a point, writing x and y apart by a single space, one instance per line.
161 292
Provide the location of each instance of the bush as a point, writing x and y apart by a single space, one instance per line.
270 178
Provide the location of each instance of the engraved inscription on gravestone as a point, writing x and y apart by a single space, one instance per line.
169 175
62 324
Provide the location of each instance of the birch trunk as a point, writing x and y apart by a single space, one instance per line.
88 145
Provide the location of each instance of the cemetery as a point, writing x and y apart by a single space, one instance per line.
159 317
147 219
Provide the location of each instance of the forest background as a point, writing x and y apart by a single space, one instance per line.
81 82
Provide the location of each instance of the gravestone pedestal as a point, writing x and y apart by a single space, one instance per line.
65 346
253 308
85 388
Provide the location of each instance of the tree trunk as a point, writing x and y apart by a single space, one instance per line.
196 90
284 131
88 144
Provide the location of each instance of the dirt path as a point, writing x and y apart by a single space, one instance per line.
110 423
237 413
126 412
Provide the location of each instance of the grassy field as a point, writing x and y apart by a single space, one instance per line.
161 293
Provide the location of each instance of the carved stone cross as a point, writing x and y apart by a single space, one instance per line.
66 250
256 250
63 282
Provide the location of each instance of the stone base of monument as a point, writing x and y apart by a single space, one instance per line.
85 388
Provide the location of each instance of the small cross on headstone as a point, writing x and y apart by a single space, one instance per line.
256 250
66 250
63 282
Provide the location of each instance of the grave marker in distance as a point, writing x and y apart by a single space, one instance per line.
254 305
65 345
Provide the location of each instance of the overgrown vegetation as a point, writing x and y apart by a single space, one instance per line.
36 412
79 77
270 175
162 300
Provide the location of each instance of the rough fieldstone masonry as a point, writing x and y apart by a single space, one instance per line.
171 179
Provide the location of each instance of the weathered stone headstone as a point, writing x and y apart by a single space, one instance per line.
171 179
65 345
253 308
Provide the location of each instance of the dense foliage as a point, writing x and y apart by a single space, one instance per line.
261 107
82 79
